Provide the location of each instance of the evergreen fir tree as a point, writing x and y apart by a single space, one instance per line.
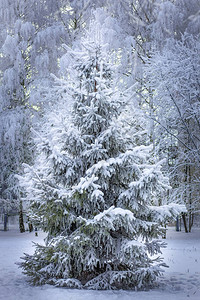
93 190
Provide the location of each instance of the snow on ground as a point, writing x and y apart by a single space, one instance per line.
180 281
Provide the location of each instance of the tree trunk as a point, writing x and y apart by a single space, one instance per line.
191 217
165 232
177 223
184 222
190 199
21 219
5 221
30 226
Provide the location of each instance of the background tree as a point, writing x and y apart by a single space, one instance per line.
172 94
173 78
31 45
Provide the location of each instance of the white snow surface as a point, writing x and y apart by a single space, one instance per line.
180 281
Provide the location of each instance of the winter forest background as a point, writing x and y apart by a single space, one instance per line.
100 132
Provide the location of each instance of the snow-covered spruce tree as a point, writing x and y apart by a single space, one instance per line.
92 190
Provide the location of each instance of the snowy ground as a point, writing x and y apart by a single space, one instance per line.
180 281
